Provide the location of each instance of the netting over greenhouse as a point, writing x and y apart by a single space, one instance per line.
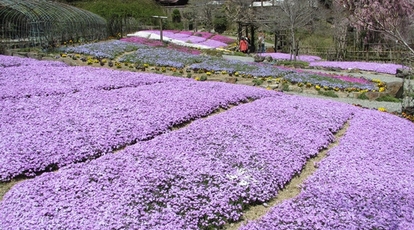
46 23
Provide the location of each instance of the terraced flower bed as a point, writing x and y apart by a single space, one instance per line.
364 183
101 148
146 54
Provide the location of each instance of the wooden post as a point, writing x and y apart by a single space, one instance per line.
160 18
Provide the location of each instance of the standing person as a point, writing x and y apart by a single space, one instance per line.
243 45
248 44
261 42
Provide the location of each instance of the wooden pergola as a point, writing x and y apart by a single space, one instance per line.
249 28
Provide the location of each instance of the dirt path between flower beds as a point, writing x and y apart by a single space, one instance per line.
6 186
292 189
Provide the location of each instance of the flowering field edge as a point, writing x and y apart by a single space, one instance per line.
293 188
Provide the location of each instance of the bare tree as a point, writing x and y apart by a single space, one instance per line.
293 15
239 11
341 24
204 11
394 19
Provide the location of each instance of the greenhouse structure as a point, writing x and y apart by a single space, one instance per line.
33 23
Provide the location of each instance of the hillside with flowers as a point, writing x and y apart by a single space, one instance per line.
135 138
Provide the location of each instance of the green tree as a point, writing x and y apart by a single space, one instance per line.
176 16
123 16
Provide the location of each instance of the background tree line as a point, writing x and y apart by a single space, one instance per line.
336 26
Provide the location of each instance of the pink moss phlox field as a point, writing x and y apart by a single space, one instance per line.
13 61
58 125
202 38
388 68
346 78
144 41
199 176
285 56
156 43
365 183
28 78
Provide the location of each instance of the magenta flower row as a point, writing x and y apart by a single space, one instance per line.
316 61
365 183
202 38
388 68
27 79
199 176
73 118
286 56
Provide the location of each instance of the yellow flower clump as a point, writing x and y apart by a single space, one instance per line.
382 109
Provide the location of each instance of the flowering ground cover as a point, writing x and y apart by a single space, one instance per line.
203 40
388 68
153 54
135 170
26 77
315 61
162 57
199 176
12 61
364 183
156 43
330 81
186 34
285 56
105 49
54 129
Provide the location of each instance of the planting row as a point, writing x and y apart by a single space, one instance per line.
32 80
12 61
365 183
162 56
203 40
38 133
200 176
314 61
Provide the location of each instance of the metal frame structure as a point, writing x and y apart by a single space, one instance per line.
32 23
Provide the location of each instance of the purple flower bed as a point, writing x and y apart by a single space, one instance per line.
200 38
213 43
388 68
331 81
222 38
162 57
206 35
199 176
61 129
13 61
285 56
144 41
157 43
32 78
365 183
107 49
182 36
